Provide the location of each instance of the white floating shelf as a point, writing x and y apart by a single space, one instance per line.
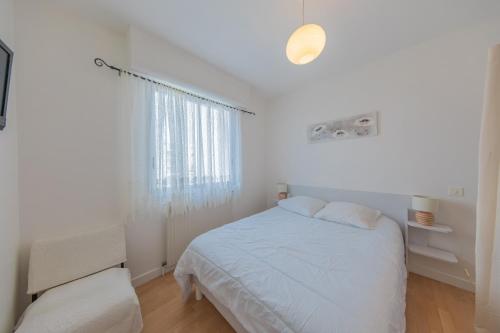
435 227
432 252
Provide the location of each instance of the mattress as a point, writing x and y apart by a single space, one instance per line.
278 271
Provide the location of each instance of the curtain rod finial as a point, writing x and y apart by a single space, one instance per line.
99 62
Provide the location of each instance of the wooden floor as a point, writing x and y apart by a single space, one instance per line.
431 307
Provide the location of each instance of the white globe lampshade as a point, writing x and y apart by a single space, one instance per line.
305 44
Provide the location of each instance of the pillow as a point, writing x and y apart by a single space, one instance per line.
302 205
349 213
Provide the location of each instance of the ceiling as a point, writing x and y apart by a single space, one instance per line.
247 38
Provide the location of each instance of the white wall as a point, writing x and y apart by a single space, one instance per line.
151 54
430 101
69 145
9 219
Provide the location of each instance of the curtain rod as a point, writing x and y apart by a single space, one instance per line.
99 63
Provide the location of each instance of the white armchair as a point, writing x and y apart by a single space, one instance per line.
81 293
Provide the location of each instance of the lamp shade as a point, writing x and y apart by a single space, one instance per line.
424 204
282 188
305 44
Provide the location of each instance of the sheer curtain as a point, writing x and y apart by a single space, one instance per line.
196 151
185 154
488 205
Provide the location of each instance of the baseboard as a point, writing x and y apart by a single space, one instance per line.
146 277
443 277
143 278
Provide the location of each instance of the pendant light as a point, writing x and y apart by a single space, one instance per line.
306 43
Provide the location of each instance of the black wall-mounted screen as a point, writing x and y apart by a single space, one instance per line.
6 55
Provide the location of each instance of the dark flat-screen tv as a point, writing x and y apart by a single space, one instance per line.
6 55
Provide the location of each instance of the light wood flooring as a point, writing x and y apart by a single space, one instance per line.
431 307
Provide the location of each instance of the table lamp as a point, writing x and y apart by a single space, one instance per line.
282 189
425 208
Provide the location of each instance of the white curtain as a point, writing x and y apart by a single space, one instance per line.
196 151
185 154
488 205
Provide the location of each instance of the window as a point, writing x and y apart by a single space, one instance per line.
196 153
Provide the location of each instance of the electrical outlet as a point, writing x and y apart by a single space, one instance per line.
456 191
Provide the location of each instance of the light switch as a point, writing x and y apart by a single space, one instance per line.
456 191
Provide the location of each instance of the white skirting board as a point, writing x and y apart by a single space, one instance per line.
442 277
143 278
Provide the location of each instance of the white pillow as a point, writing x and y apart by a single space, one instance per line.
349 213
302 205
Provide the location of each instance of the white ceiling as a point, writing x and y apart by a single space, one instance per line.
247 38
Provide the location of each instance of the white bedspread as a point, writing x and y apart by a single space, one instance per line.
281 272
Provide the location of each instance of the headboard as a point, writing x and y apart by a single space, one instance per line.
394 206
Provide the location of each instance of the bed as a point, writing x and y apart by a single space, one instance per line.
278 271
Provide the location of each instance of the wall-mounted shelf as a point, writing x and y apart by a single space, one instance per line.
436 227
432 252
420 238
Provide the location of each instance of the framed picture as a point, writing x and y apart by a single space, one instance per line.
6 56
360 126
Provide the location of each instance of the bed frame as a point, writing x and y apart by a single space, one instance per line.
201 291
394 206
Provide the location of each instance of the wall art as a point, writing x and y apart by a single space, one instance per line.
360 126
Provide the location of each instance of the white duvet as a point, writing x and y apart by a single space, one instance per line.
278 271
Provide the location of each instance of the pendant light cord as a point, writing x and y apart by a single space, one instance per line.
303 10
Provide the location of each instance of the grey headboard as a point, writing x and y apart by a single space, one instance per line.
394 206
